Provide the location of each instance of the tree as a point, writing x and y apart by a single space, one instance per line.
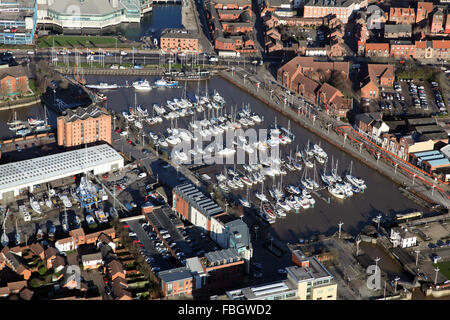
42 270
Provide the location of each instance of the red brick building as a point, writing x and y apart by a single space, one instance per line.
423 10
179 41
84 125
402 49
13 81
402 15
437 21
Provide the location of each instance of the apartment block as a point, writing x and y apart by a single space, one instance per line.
231 24
343 9
84 125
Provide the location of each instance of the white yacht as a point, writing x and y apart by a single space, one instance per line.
35 205
336 192
142 85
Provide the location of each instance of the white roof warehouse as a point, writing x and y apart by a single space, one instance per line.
25 174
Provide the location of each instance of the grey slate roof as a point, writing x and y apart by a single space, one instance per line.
198 200
173 275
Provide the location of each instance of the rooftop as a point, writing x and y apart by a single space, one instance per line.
81 113
315 271
224 256
173 275
397 28
87 7
330 3
197 199
263 291
46 168
179 33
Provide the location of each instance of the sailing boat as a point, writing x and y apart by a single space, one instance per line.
355 181
45 126
16 124
65 222
4 238
17 238
261 196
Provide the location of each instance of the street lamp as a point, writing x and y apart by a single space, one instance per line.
396 281
340 227
376 263
417 257
435 278
358 241
378 221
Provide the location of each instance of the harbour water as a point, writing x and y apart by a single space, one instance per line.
381 196
161 17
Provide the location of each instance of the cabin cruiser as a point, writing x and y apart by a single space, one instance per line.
163 143
244 202
35 205
65 200
142 85
336 191
261 196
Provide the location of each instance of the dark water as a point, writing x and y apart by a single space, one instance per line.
389 265
162 16
382 196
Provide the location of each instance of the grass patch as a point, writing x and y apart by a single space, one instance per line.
444 268
77 42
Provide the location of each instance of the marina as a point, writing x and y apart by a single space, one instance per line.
323 216
156 117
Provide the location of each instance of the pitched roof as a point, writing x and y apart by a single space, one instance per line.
329 91
91 257
77 233
115 267
58 262
16 72
17 285
26 294
50 252
310 85
441 44
377 46
380 70
36 248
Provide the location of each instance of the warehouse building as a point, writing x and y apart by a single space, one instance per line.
17 176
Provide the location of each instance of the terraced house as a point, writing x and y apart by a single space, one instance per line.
231 23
